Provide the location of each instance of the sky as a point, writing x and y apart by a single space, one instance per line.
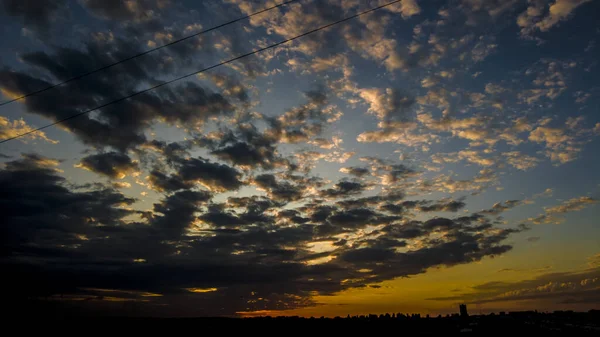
426 154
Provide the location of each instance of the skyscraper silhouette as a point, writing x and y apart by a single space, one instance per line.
463 310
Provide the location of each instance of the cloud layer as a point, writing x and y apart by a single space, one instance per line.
363 153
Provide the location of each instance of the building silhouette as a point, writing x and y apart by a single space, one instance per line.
463 310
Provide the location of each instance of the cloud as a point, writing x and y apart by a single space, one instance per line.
343 188
305 122
231 86
571 205
214 176
35 14
161 182
409 8
240 246
40 208
519 270
323 143
355 171
391 105
556 289
177 212
250 200
114 165
501 207
511 134
475 157
594 261
535 16
446 183
547 193
520 160
10 129
563 145
122 125
471 128
400 133
278 190
125 10
444 206
320 64
243 154
554 214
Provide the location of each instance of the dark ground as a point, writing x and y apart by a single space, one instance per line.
520 323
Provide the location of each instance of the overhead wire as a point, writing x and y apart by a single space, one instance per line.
201 71
187 37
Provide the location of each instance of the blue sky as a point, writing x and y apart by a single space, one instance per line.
472 123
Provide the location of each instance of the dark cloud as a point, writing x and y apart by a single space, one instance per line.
217 217
393 208
178 212
171 151
356 171
293 215
242 154
360 217
253 204
38 208
394 173
238 248
368 255
371 201
399 104
449 206
121 125
385 243
123 10
35 14
246 146
241 248
423 206
212 175
352 218
320 213
343 189
409 230
199 249
302 123
165 183
439 223
278 190
111 164
249 148
462 244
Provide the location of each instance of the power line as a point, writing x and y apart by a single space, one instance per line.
145 52
200 71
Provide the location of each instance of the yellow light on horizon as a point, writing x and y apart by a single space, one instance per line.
201 290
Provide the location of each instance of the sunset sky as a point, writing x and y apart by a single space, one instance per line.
426 154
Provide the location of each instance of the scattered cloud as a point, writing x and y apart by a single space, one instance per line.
554 214
111 164
539 16
235 189
15 128
559 288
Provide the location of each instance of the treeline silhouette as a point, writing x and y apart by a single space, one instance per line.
530 323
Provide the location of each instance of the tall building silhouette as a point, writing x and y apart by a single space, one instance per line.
463 310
